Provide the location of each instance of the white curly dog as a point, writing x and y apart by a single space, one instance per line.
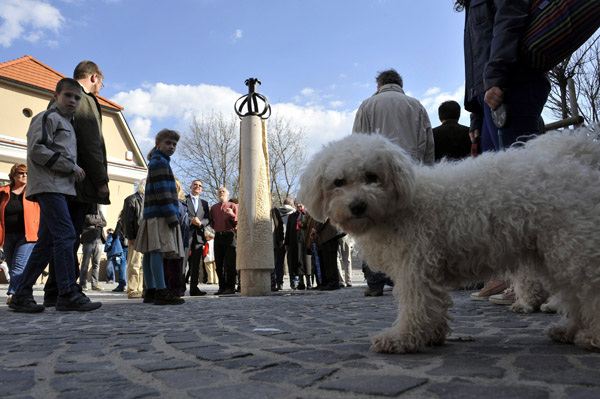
529 211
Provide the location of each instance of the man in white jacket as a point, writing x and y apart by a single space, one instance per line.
400 118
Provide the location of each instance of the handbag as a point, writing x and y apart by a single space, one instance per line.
556 29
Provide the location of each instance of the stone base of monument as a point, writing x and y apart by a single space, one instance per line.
255 282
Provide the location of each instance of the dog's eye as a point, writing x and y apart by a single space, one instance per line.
339 182
371 178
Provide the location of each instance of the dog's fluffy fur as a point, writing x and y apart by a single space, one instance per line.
532 211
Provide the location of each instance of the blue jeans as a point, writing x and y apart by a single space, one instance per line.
56 236
123 268
154 275
525 104
17 251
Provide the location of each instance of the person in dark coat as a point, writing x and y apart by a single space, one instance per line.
451 138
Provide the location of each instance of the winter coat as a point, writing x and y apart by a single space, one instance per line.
51 153
400 118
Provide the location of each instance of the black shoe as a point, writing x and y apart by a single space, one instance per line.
219 291
301 287
279 287
228 291
196 292
50 302
165 297
25 304
76 301
119 289
149 295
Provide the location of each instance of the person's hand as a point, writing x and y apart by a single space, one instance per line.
79 174
229 211
102 191
473 135
494 96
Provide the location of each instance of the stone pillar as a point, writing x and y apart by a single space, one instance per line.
255 237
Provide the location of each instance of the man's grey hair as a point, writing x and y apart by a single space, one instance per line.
389 76
141 187
288 201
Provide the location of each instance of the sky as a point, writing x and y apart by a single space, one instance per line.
166 61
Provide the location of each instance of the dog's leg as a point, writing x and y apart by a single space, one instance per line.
422 318
529 291
589 336
566 329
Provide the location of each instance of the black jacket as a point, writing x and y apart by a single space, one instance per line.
131 215
197 237
492 41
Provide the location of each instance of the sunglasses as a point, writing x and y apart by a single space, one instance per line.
22 173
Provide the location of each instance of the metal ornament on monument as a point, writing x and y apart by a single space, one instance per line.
254 257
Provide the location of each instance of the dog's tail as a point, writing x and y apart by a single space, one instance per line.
582 144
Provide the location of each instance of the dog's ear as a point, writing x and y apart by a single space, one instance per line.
400 175
311 192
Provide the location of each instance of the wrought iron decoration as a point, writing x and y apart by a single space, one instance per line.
251 100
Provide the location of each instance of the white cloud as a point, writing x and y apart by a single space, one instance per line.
432 91
148 108
237 35
434 97
308 91
336 104
27 19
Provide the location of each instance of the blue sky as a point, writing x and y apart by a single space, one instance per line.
166 61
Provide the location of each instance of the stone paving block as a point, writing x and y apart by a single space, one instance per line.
555 369
82 367
582 393
292 373
247 391
323 356
190 378
250 363
165 364
216 352
469 365
16 382
456 390
144 355
384 385
111 392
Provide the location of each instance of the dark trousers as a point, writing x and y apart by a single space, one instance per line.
328 253
279 261
525 104
196 266
172 269
77 211
225 251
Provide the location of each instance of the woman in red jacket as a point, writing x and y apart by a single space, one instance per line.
19 223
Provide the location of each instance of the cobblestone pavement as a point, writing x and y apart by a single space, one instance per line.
301 344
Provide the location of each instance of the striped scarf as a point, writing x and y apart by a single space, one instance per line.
160 200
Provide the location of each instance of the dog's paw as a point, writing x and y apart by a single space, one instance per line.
389 341
521 307
588 339
560 333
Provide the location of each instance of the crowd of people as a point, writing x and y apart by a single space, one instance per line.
165 239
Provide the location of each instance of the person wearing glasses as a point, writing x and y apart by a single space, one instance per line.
19 223
198 215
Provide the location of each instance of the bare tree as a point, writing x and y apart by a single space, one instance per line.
286 156
582 66
210 152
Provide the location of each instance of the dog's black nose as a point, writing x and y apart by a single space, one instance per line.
358 208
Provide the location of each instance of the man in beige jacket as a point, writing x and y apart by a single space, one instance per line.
400 118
